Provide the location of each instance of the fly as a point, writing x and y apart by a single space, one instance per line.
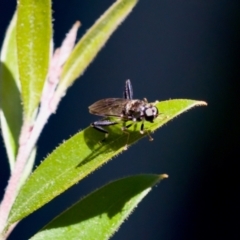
125 109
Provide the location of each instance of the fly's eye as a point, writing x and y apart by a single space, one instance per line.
149 112
155 111
149 116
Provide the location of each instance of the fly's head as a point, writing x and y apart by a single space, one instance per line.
150 113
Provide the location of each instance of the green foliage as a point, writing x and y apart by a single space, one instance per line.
10 99
25 61
80 155
33 35
100 214
90 44
11 109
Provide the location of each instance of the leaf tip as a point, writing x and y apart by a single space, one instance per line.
163 176
201 103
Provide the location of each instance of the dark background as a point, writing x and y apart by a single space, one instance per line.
169 49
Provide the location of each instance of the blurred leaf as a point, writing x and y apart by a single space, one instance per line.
33 35
82 154
10 99
90 44
100 214
11 109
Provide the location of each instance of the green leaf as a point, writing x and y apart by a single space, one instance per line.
99 215
33 36
10 98
88 47
82 154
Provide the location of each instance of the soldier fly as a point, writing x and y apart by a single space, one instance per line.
125 109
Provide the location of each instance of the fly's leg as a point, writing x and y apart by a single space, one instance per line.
142 128
98 125
124 129
142 132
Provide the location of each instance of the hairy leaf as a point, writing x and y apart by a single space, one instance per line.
82 154
10 96
33 36
100 214
90 44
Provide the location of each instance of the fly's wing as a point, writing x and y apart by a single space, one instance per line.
108 107
128 91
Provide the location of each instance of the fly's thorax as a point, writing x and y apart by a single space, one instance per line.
134 110
134 106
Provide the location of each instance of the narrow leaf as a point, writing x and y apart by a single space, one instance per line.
10 98
33 49
99 215
88 47
81 155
